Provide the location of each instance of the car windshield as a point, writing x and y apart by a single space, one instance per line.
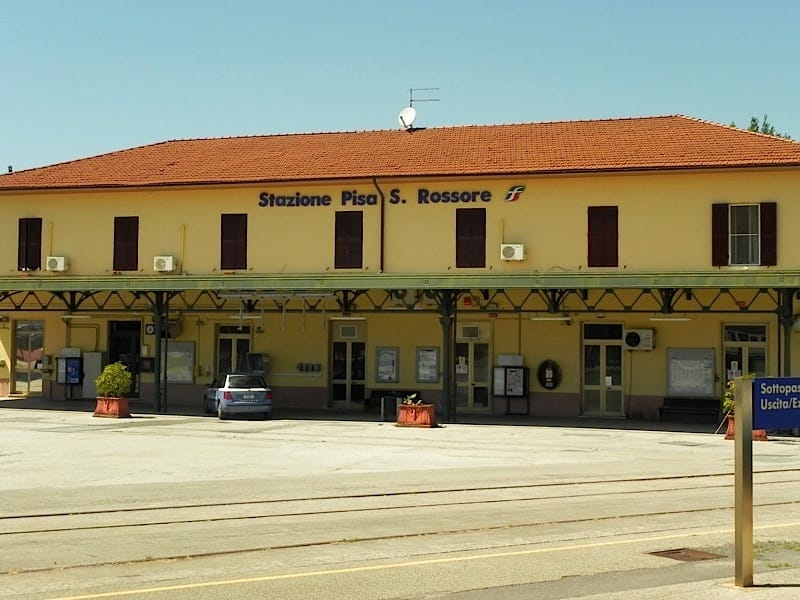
245 381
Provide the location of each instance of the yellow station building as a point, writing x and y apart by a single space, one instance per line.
619 268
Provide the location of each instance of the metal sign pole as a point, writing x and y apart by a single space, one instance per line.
743 441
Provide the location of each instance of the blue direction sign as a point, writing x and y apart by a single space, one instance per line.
776 402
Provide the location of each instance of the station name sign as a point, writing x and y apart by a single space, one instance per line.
776 402
357 198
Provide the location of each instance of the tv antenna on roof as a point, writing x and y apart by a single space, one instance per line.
408 114
411 95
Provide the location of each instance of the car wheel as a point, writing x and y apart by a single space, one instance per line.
206 410
220 414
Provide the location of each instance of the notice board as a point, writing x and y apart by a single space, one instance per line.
179 361
690 372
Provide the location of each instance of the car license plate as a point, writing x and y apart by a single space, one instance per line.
249 396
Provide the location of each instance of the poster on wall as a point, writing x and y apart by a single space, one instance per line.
690 372
179 362
427 364
387 365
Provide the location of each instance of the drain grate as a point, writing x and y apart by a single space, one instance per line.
686 554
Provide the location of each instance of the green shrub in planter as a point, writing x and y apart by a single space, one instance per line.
114 381
728 400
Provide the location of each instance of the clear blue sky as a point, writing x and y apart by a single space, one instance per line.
84 77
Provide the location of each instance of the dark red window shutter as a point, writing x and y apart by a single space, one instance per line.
719 234
470 237
233 250
126 244
603 235
349 242
29 246
769 233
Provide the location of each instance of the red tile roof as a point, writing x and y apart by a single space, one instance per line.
668 142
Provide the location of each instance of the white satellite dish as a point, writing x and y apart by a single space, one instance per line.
407 116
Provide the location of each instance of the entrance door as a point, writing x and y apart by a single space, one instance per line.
602 371
472 368
348 366
124 345
745 348
29 345
233 344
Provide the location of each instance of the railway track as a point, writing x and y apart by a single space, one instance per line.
462 512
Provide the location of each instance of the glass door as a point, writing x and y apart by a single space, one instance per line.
745 350
233 344
602 371
29 345
348 366
472 371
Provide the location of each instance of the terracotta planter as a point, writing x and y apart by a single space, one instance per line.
112 407
416 415
758 434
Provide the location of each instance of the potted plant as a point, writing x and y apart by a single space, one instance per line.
411 412
113 385
728 404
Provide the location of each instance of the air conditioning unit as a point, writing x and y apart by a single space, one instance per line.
512 251
163 264
637 339
57 263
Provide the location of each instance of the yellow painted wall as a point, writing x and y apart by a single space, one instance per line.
664 222
664 225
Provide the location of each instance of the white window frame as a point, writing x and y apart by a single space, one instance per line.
747 233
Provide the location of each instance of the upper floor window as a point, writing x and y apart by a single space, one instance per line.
348 250
744 234
233 236
29 249
603 235
470 237
126 244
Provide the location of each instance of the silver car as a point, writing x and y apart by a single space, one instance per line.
238 394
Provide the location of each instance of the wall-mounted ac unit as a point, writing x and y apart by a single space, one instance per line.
637 339
512 251
163 264
57 263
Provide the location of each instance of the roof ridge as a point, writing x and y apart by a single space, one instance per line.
584 145
390 130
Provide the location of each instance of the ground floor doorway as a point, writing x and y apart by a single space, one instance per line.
348 365
125 346
602 390
233 347
472 368
28 349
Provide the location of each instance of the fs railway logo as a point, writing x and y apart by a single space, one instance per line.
514 193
